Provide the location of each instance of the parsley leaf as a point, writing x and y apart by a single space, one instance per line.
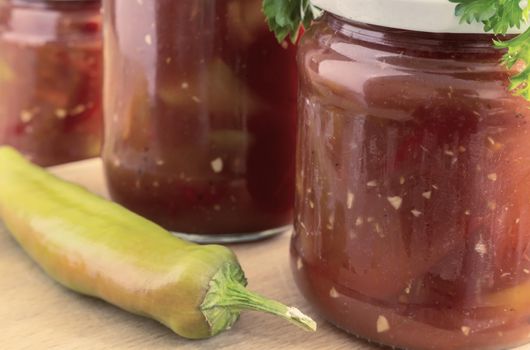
285 17
518 51
498 16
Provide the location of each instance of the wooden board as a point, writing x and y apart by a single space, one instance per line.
38 314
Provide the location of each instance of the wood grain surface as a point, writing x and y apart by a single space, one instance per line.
38 314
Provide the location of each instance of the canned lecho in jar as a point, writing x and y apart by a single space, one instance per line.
51 79
413 181
200 117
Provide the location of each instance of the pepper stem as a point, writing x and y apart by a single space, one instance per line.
227 297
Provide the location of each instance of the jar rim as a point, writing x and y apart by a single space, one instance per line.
434 16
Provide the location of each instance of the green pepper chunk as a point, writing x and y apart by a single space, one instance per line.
98 248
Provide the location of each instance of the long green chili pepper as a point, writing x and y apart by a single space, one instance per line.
100 249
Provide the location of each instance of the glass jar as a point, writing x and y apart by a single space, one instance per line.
412 213
51 79
200 109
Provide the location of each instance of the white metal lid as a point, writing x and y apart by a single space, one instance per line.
435 16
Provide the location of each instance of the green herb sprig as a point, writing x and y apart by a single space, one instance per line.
285 17
499 16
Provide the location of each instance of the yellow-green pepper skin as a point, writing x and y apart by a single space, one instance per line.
101 249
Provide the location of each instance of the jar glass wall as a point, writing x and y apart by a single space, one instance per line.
50 79
200 116
412 223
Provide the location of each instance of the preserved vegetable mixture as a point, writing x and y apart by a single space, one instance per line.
201 116
50 79
412 223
